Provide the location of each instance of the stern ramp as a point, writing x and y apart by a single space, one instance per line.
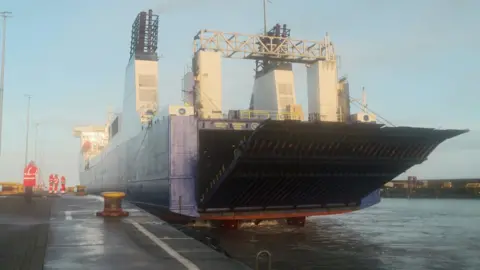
289 164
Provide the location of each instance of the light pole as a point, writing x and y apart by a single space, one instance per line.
5 15
29 97
38 157
36 142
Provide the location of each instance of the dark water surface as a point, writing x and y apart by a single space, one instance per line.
396 234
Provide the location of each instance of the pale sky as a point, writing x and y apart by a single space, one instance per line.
417 59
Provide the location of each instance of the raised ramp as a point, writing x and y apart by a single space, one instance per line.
288 164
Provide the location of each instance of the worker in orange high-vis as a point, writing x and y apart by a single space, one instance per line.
55 183
29 180
62 184
50 184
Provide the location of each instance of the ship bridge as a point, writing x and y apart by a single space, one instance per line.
291 164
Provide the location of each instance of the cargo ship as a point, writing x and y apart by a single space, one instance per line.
197 163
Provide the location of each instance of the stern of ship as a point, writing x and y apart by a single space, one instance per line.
291 169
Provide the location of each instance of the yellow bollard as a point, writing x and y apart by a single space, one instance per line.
10 188
112 206
20 188
80 190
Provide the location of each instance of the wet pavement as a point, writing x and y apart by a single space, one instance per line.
64 233
80 240
23 232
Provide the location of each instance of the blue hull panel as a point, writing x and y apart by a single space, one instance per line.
156 167
371 199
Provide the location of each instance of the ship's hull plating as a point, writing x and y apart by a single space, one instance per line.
282 169
155 167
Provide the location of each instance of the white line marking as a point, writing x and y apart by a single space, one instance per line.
187 263
68 215
175 238
96 197
196 251
132 210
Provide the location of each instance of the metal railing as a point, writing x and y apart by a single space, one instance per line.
263 115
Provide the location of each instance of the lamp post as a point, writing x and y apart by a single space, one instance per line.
5 15
36 142
29 97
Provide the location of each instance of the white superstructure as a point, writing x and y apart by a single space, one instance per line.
274 87
273 95
322 79
207 69
274 91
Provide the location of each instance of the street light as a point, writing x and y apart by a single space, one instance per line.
5 15
36 142
38 156
29 97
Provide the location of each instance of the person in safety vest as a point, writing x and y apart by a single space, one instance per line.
50 183
62 184
55 183
29 180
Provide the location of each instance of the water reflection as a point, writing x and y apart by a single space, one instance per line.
397 234
316 246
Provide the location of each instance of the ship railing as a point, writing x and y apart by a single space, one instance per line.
264 115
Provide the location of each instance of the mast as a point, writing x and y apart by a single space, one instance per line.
265 17
29 97
5 15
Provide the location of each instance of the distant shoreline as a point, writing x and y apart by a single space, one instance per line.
430 193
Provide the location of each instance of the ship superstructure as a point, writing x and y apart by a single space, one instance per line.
198 161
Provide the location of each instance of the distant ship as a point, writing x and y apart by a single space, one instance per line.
196 163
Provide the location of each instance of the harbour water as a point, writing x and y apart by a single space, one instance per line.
396 234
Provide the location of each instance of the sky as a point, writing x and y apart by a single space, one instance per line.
418 61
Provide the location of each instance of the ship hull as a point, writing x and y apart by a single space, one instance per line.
189 169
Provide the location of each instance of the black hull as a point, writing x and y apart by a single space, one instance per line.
293 164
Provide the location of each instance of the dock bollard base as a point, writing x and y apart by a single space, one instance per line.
79 190
112 205
112 214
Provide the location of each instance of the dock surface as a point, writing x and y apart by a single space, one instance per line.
64 233
23 232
